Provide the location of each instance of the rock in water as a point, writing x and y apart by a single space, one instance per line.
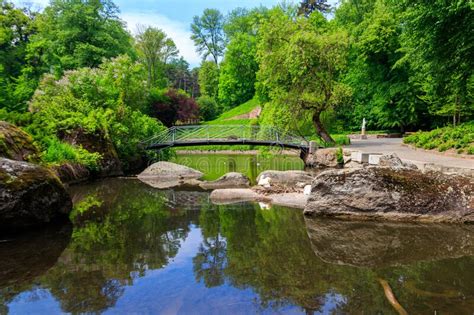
285 178
30 195
169 171
394 194
229 180
16 144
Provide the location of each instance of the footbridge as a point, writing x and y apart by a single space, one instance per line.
200 135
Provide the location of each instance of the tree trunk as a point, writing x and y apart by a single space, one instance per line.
321 130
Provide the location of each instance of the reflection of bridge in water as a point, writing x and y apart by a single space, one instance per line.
199 135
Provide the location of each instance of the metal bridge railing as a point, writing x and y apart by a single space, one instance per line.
224 133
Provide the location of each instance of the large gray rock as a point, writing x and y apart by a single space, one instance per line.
322 158
169 171
30 195
285 178
229 180
382 244
394 162
394 194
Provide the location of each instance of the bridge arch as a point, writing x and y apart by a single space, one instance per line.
200 135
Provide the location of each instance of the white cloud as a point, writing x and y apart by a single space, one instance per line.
176 30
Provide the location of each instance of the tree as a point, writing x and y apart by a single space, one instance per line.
208 35
209 79
208 108
74 34
170 106
299 66
308 6
155 49
17 82
238 71
438 42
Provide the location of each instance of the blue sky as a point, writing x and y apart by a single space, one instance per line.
174 16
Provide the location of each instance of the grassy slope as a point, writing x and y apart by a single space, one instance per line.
460 138
244 108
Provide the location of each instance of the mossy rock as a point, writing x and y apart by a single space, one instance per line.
30 195
15 144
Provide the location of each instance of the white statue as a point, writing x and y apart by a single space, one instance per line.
363 135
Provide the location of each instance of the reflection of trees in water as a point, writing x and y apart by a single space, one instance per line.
132 232
210 260
269 252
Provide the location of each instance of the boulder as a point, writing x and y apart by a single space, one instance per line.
393 194
285 178
15 144
323 158
169 171
71 173
229 180
30 195
394 162
384 244
109 164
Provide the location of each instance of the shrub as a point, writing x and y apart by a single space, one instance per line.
59 152
460 138
170 105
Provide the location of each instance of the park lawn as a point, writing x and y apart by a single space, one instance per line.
242 109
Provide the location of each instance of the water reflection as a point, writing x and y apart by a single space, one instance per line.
135 249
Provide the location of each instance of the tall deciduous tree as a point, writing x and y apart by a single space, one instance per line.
208 35
155 49
299 65
76 33
308 6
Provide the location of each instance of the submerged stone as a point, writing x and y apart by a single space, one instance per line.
229 180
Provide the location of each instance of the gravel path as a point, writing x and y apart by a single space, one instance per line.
419 157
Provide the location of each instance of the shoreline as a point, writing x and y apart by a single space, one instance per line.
232 152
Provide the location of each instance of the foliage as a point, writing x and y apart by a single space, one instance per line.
58 152
209 79
156 50
238 71
208 35
437 42
460 138
208 108
73 34
299 63
17 78
108 100
308 6
170 106
340 155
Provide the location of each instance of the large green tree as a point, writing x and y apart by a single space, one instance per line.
299 65
155 50
438 40
209 79
75 33
208 35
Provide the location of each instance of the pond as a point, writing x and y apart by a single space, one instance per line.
215 165
132 249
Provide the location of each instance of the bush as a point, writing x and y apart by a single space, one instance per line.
460 138
59 152
170 106
208 108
